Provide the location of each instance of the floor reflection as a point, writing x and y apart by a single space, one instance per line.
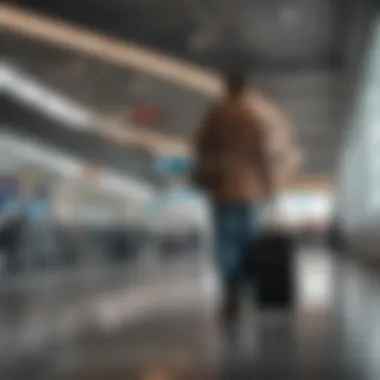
158 322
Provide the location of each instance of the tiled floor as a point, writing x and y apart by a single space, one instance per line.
157 322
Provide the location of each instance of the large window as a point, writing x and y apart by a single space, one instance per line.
371 121
360 170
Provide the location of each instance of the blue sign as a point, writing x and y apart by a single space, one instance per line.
173 165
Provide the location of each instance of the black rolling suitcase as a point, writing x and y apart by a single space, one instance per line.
269 262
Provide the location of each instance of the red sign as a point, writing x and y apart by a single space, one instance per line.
145 114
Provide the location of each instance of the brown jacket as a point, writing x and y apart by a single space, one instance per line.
231 142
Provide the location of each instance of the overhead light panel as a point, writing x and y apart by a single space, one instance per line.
49 102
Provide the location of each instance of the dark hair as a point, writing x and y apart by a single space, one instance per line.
235 82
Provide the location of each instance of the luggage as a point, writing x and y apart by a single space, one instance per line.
269 263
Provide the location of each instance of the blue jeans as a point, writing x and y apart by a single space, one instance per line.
233 229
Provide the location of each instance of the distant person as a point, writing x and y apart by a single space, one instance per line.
12 223
231 166
10 233
335 236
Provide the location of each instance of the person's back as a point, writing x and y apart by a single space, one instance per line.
231 145
231 166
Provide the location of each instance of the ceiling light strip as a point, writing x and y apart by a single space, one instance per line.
53 104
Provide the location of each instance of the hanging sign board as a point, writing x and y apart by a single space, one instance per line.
173 165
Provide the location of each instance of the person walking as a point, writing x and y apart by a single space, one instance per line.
233 169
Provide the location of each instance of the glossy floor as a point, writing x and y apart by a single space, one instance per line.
155 320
